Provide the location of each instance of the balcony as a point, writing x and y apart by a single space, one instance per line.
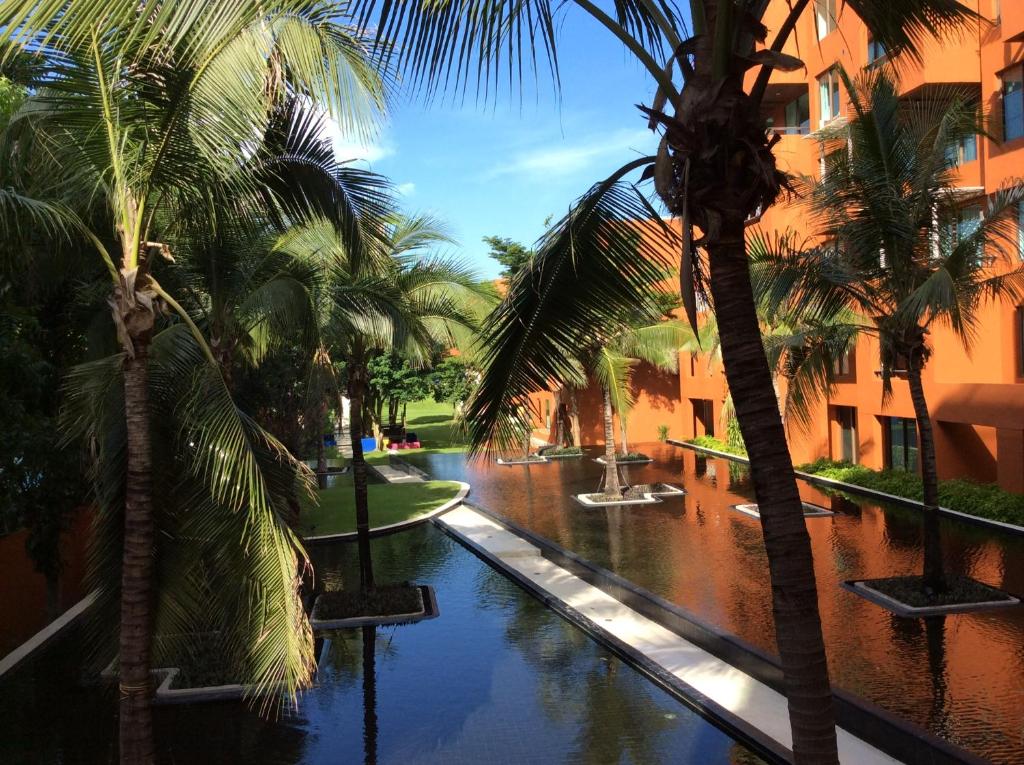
952 61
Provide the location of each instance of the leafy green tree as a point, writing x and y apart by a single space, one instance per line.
900 249
394 382
144 108
453 381
511 255
714 168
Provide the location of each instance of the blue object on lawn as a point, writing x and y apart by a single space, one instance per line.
329 440
369 444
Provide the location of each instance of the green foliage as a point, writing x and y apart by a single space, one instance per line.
562 451
392 379
983 500
453 381
512 256
663 433
733 437
710 442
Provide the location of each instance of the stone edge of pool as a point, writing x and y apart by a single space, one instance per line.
852 488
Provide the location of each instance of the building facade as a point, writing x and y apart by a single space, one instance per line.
975 395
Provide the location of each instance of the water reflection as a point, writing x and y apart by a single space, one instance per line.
963 679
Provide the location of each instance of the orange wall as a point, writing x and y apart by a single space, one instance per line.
976 397
23 591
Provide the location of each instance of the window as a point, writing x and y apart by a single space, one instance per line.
547 413
824 17
876 52
967 221
1020 231
965 150
1018 320
798 116
846 419
828 92
842 366
703 416
693 365
1013 102
901 444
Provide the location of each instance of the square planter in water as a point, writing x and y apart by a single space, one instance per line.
320 618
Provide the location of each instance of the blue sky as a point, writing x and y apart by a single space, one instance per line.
503 168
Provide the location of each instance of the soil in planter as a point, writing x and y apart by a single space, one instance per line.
962 591
632 493
383 601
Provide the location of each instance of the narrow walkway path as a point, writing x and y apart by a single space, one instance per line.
393 475
742 697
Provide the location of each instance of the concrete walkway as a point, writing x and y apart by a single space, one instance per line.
751 702
393 475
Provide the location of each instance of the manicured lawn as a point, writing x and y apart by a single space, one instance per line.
435 426
389 503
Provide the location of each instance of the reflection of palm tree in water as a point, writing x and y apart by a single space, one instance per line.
617 720
369 695
935 638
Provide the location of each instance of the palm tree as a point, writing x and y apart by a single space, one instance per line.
898 249
714 168
143 106
385 296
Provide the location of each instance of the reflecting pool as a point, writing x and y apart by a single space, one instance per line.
496 678
960 676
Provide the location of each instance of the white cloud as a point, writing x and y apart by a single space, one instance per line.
570 157
406 189
347 148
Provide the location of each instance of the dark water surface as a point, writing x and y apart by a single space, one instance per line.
960 676
497 678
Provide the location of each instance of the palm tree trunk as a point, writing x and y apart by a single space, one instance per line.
787 543
574 420
623 445
357 384
321 452
611 469
934 571
136 721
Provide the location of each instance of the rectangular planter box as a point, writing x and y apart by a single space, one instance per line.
430 611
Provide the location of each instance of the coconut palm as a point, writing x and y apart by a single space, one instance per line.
898 248
714 169
390 297
144 106
612 364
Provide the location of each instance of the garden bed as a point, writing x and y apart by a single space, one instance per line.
533 458
392 604
810 510
905 596
561 452
633 458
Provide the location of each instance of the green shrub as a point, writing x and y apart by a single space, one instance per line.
562 451
983 500
710 442
663 433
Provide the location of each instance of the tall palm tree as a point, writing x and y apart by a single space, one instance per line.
144 105
898 249
714 168
389 296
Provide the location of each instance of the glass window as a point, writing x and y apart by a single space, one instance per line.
1013 103
967 221
965 150
798 116
824 17
901 435
876 51
1020 230
828 91
841 366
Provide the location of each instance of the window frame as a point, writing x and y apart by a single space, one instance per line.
1017 68
828 82
825 17
904 424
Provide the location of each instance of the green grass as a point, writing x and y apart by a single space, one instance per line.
434 424
710 442
389 503
983 500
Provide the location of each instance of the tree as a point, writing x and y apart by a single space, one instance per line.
453 381
388 296
898 248
395 383
143 106
512 256
714 168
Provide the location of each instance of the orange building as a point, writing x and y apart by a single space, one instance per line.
976 396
